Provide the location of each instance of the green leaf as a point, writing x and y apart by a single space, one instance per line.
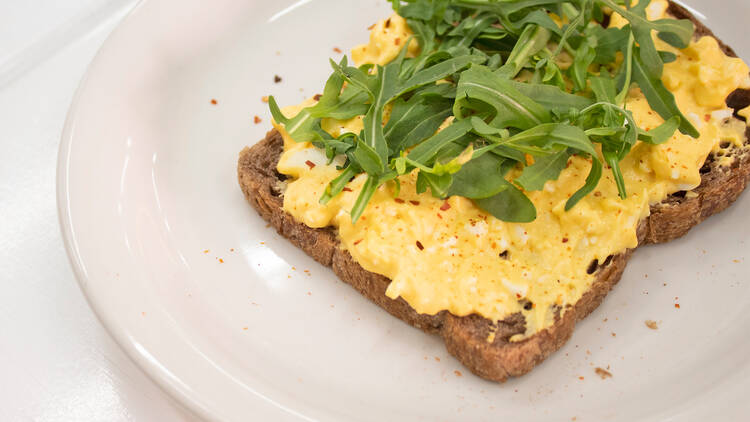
675 32
338 184
510 205
544 169
552 97
368 190
427 150
437 72
555 134
612 159
659 98
511 107
438 184
481 177
591 183
662 133
415 120
533 39
368 159
584 57
301 128
609 42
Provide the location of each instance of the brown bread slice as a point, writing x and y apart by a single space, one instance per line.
466 337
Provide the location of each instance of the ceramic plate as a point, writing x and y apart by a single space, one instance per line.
237 324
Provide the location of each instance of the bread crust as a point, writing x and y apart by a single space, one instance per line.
466 337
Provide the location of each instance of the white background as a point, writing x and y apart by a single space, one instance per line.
57 363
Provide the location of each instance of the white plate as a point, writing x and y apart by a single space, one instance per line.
147 184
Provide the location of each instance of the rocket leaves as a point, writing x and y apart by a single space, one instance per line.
489 92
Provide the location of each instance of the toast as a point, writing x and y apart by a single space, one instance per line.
466 338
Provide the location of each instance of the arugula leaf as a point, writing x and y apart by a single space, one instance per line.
438 184
480 178
415 120
584 57
591 183
552 97
555 134
509 205
544 169
511 107
609 42
302 127
659 97
338 184
368 190
662 133
533 39
427 150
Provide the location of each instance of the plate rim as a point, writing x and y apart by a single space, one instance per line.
180 397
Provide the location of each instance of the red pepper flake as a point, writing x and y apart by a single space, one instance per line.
414 203
708 117
419 245
398 41
310 164
358 242
440 216
221 260
597 194
446 206
565 240
603 373
257 120
337 50
458 373
388 23
317 97
231 250
277 79
347 190
399 201
677 305
214 102
518 296
580 378
264 99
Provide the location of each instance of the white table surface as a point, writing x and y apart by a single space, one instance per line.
57 363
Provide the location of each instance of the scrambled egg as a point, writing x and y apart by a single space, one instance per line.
450 255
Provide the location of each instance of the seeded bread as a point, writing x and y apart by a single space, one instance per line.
466 337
